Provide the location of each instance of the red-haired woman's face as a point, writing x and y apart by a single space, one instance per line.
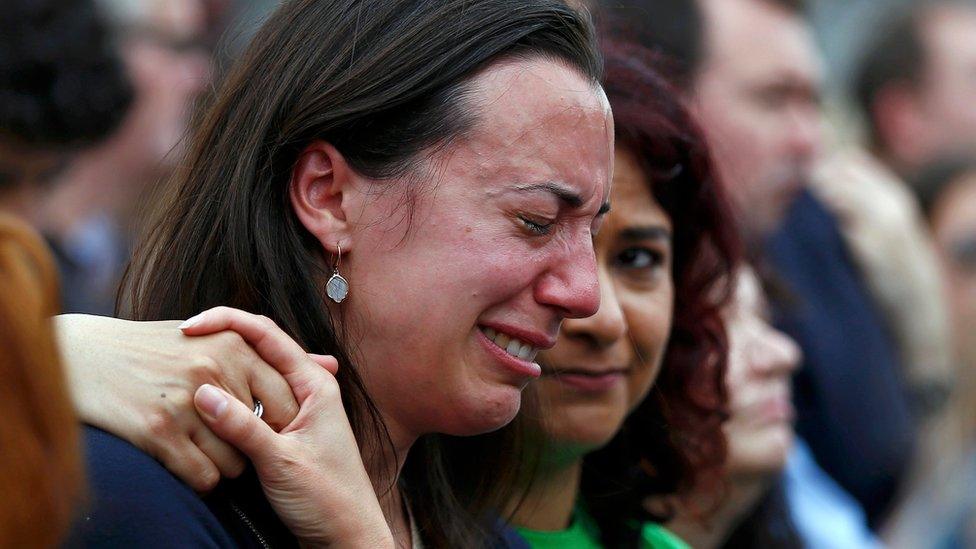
761 362
602 366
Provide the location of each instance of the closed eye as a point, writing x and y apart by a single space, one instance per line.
540 228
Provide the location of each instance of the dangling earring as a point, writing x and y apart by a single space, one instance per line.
337 288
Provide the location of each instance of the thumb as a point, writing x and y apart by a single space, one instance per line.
235 424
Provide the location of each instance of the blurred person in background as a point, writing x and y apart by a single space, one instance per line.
948 197
40 462
916 92
760 107
947 193
915 86
940 508
757 511
758 95
62 89
95 210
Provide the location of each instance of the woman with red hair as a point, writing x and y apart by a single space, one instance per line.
632 399
40 466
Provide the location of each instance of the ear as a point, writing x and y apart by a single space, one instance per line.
321 183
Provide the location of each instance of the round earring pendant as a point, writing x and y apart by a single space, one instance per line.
337 288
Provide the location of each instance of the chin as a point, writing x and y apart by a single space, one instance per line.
762 455
589 427
485 413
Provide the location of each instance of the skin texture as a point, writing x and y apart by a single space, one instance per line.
757 98
470 252
628 335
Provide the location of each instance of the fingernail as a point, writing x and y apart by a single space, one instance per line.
211 401
190 322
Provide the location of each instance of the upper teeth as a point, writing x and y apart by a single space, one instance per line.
511 345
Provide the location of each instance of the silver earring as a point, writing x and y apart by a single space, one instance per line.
337 288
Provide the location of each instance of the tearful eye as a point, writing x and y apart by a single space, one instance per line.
540 228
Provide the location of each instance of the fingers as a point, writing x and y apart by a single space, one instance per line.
225 457
328 362
272 344
267 385
189 464
235 423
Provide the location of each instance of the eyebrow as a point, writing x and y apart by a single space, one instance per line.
650 232
564 194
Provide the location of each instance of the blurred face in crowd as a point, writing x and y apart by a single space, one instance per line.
169 70
604 365
761 363
25 173
954 227
757 97
449 307
946 100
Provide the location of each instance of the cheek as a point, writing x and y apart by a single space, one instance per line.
649 326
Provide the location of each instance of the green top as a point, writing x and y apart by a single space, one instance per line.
655 536
584 534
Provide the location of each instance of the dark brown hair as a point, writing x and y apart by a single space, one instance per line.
40 465
673 442
385 82
894 56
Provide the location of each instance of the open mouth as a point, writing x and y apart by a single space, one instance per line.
515 347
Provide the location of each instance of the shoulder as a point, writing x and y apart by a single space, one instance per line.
133 500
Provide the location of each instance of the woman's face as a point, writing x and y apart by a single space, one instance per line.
602 366
761 362
453 293
954 229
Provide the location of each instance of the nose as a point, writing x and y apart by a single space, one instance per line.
571 285
805 132
607 326
776 354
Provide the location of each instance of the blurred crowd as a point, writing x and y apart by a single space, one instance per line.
857 214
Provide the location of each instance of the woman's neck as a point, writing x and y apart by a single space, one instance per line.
384 462
712 532
549 503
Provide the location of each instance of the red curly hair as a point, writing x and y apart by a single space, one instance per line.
673 442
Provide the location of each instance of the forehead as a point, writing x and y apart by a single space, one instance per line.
537 117
757 40
950 32
632 196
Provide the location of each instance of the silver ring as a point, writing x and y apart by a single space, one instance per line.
258 408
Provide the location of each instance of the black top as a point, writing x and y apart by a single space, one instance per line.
135 502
